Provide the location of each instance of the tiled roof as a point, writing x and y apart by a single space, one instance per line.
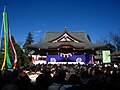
84 43
72 44
81 36
115 53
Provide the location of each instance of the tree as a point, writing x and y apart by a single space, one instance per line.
103 41
29 41
13 40
115 39
107 42
20 43
22 59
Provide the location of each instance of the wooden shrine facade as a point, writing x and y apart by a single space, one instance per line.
64 46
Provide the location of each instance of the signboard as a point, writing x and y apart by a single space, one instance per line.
106 56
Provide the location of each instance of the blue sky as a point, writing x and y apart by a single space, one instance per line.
94 17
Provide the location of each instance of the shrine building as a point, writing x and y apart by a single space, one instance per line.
64 47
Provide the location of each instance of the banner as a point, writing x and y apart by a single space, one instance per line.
6 53
106 56
89 59
83 58
55 58
14 51
38 58
77 58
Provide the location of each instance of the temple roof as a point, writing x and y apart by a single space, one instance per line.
77 40
81 36
115 53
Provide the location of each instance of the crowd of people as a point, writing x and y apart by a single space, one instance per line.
62 77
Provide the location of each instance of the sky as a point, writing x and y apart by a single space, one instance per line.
94 17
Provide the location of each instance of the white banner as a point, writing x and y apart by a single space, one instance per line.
37 59
106 56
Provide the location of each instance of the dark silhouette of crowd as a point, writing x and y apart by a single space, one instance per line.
62 77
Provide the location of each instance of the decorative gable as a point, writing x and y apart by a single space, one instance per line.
65 38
